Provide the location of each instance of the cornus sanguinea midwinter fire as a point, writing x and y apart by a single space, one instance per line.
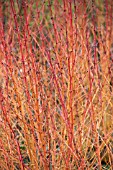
56 84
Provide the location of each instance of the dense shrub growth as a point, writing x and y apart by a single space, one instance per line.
56 84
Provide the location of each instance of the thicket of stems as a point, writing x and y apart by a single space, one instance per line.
56 84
